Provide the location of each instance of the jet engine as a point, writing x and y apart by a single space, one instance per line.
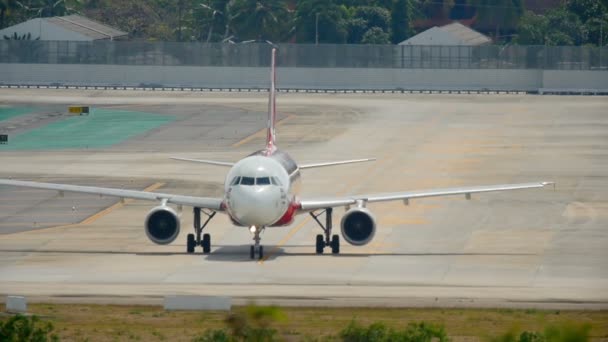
358 226
162 225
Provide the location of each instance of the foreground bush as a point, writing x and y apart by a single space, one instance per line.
562 333
378 332
21 328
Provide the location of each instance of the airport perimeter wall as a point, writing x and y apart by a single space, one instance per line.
301 66
528 80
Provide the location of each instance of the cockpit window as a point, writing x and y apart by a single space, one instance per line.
262 181
236 180
275 181
247 181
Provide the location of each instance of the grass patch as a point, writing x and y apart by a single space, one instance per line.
151 323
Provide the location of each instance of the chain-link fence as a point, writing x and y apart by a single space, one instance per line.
305 55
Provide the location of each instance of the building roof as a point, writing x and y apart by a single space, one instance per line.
87 27
466 34
451 34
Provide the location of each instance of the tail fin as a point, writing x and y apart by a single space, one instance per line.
272 108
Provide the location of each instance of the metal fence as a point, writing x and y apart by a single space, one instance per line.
306 55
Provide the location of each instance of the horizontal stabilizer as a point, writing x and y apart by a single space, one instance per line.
210 162
342 162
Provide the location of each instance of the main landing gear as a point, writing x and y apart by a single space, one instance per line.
195 240
256 247
328 240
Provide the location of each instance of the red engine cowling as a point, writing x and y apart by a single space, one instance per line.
358 226
162 225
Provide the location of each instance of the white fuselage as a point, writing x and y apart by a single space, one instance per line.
260 190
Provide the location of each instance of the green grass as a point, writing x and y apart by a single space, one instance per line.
10 112
101 128
152 323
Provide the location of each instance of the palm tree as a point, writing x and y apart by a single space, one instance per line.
330 17
213 14
260 19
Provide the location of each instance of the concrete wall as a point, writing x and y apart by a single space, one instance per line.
300 78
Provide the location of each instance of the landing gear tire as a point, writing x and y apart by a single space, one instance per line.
206 243
320 244
260 252
335 244
190 243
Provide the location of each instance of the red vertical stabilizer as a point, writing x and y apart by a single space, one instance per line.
272 108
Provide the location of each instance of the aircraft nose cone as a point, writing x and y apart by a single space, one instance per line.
256 206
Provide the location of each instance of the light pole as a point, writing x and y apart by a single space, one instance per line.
317 28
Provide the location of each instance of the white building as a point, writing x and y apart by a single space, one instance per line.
71 27
450 46
451 34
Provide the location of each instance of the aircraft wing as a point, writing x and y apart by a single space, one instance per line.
341 162
311 204
200 202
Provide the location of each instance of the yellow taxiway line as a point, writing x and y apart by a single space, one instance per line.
109 209
115 206
260 133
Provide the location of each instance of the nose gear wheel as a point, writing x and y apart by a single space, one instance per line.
256 247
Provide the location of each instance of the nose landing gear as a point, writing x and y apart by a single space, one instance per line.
328 240
256 247
195 240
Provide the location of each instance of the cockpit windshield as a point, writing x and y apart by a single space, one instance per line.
255 181
262 181
247 181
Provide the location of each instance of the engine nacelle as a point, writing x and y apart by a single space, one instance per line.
162 225
358 226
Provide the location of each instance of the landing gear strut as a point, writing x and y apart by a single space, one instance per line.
195 240
328 240
256 247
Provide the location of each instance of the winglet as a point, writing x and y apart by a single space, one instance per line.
272 113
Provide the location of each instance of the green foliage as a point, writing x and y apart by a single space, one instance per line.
21 328
375 16
332 19
436 8
562 333
370 23
261 19
500 15
254 324
572 24
378 332
401 26
339 21
532 29
375 35
214 336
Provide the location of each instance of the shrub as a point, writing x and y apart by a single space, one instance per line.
214 336
553 333
378 332
21 328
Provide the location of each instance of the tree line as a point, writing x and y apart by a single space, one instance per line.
569 22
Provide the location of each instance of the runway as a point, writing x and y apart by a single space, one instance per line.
543 248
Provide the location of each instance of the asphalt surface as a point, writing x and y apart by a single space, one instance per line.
533 248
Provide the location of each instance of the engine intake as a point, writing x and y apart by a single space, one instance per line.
162 225
358 226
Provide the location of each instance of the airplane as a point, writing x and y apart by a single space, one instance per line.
262 190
